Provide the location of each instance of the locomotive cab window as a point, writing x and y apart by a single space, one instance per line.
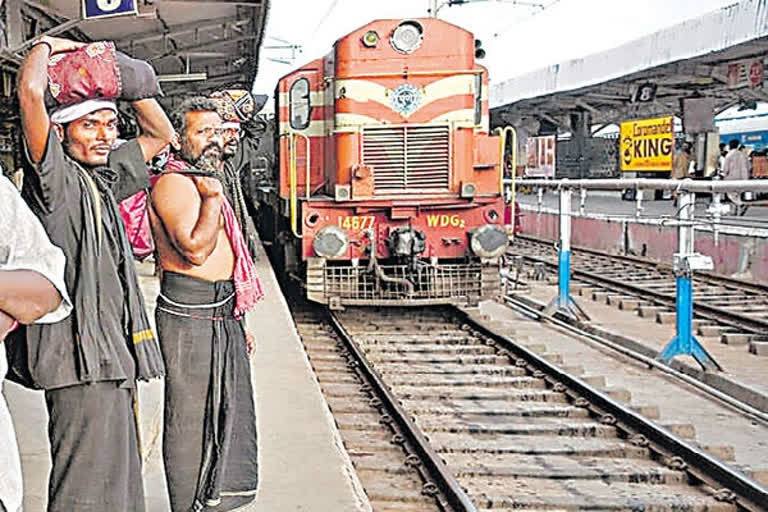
478 99
300 106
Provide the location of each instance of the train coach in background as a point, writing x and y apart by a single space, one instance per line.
388 187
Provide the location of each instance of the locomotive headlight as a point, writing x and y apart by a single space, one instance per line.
330 242
407 37
489 241
370 39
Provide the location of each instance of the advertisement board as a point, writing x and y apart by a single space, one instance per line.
540 156
745 73
647 144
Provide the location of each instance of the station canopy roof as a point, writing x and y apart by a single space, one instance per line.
719 55
195 45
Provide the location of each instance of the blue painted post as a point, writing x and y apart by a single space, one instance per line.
564 254
684 342
564 303
563 279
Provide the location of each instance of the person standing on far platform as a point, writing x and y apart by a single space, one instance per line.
88 364
682 162
208 282
736 167
681 165
31 290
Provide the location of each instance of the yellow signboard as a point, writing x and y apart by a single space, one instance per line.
647 144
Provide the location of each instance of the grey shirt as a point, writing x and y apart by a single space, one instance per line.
55 189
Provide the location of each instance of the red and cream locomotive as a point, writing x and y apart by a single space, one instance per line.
388 186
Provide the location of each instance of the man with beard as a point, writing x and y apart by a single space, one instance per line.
235 108
88 363
207 283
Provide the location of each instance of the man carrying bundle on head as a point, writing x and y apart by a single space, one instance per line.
208 282
88 364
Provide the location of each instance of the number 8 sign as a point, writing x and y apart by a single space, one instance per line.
93 9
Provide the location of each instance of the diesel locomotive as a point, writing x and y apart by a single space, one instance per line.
387 187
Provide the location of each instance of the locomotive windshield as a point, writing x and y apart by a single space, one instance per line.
300 106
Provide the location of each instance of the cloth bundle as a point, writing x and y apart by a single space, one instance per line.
97 71
235 105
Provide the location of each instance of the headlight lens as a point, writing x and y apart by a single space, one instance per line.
370 38
407 37
330 242
489 241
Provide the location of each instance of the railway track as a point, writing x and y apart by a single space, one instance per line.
388 454
513 430
733 310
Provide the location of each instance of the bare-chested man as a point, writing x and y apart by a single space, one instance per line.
209 441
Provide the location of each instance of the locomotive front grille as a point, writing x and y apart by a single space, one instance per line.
339 283
411 158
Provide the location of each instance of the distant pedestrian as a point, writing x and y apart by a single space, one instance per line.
721 157
681 165
682 162
736 167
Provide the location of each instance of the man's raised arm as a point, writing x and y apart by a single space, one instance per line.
156 128
33 81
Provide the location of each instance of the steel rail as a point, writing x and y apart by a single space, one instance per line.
535 314
441 476
703 276
727 318
749 494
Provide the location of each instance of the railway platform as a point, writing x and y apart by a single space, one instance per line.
303 464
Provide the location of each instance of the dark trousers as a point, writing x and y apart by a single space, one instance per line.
207 376
96 463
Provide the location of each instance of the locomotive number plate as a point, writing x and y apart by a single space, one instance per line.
356 222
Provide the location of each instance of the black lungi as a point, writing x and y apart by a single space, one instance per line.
95 451
209 437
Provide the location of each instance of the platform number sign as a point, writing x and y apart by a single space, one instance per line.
94 9
645 93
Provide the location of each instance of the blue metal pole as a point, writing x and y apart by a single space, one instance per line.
684 342
564 279
564 254
685 313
